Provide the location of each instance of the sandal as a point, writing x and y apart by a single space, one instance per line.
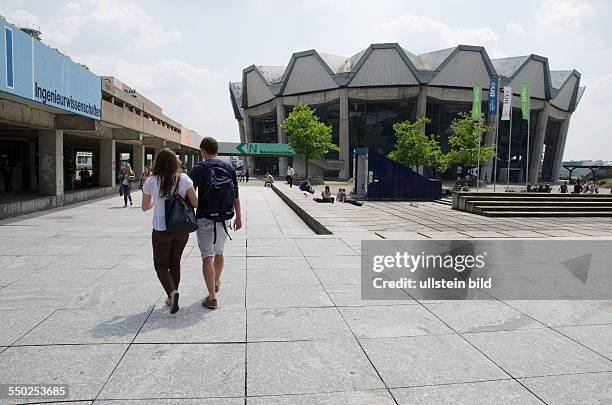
209 303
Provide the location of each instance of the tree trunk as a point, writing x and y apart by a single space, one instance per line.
306 167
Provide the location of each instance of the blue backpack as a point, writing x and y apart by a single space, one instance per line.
218 186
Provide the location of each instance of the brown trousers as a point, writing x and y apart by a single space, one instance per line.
167 252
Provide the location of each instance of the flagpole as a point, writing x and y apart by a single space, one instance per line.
527 173
496 157
496 133
509 150
478 170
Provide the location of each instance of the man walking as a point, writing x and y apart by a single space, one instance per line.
290 174
218 202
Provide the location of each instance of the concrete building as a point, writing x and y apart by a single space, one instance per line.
57 117
362 96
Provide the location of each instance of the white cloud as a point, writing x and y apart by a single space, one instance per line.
117 24
437 34
196 97
563 14
515 28
587 140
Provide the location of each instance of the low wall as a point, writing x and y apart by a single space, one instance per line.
312 223
42 203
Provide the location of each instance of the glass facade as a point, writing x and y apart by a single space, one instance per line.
330 115
441 116
371 123
264 131
518 150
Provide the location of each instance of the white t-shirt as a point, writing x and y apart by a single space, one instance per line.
151 187
290 172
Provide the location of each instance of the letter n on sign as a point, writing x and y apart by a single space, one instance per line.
253 148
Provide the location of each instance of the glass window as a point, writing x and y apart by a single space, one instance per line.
264 129
371 123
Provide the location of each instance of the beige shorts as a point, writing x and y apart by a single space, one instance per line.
206 236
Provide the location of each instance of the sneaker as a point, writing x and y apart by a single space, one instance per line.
209 303
175 303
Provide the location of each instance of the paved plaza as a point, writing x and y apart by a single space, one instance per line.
80 304
423 220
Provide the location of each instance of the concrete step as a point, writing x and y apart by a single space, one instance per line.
477 209
529 203
541 214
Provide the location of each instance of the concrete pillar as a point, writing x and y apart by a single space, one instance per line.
281 136
248 129
422 102
535 164
343 134
31 168
560 148
107 163
138 159
51 162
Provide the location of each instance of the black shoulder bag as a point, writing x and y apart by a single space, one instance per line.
180 215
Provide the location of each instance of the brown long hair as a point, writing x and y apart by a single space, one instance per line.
166 168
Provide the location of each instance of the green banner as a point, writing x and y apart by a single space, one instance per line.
525 100
476 102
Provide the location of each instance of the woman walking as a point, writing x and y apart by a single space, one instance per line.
127 177
167 180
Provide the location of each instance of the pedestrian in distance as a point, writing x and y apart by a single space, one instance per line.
290 174
268 180
168 247
247 175
126 179
218 203
145 175
7 175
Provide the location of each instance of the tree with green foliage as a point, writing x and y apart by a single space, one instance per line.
466 134
414 148
310 138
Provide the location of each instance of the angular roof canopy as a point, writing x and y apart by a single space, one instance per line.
462 66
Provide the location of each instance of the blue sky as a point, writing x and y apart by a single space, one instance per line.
182 54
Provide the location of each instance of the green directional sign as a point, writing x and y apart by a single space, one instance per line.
265 149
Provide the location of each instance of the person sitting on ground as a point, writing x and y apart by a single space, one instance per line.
596 188
306 187
540 188
546 188
268 180
563 188
529 188
341 195
577 188
326 196
465 187
349 200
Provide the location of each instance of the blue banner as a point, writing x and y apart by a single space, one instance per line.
493 95
32 70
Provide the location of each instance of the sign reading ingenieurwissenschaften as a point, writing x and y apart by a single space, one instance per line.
32 70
